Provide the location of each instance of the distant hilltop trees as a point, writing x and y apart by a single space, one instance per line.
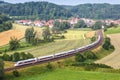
45 11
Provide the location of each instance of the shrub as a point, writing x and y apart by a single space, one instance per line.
62 37
35 41
107 45
95 65
0 52
59 64
6 57
28 55
23 56
16 56
112 47
89 55
90 67
14 43
93 39
65 31
68 61
16 73
49 66
2 72
105 29
20 56
79 57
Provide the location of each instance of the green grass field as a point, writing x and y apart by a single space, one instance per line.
75 34
55 47
113 30
23 28
73 39
66 74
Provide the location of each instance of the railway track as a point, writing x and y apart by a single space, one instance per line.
66 56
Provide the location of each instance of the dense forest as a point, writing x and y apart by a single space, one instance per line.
46 10
96 11
5 24
33 10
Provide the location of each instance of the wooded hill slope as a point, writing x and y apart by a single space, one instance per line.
46 10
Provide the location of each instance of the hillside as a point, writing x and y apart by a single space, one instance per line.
71 41
114 58
96 11
5 24
35 10
65 74
6 36
113 30
46 10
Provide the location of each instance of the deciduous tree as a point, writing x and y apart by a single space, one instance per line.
79 57
14 43
1 69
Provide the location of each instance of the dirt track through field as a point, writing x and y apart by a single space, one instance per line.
113 59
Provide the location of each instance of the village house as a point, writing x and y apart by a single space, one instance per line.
38 23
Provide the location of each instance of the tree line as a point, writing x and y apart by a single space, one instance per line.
5 24
17 56
96 11
32 38
35 10
46 11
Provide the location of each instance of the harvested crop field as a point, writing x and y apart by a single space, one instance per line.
18 32
5 36
23 27
113 59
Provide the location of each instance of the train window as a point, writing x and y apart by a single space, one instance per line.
47 57
20 63
29 61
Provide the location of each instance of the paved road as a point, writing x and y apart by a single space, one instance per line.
113 59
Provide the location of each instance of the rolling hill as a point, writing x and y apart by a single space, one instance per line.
96 11
33 10
114 58
64 74
46 10
113 30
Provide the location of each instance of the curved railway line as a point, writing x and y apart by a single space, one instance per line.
91 46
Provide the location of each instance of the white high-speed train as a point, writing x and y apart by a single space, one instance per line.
58 55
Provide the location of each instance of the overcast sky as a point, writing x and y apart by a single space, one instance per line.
68 2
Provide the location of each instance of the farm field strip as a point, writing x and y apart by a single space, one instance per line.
23 28
18 32
73 39
113 30
70 42
56 47
5 36
67 74
114 58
